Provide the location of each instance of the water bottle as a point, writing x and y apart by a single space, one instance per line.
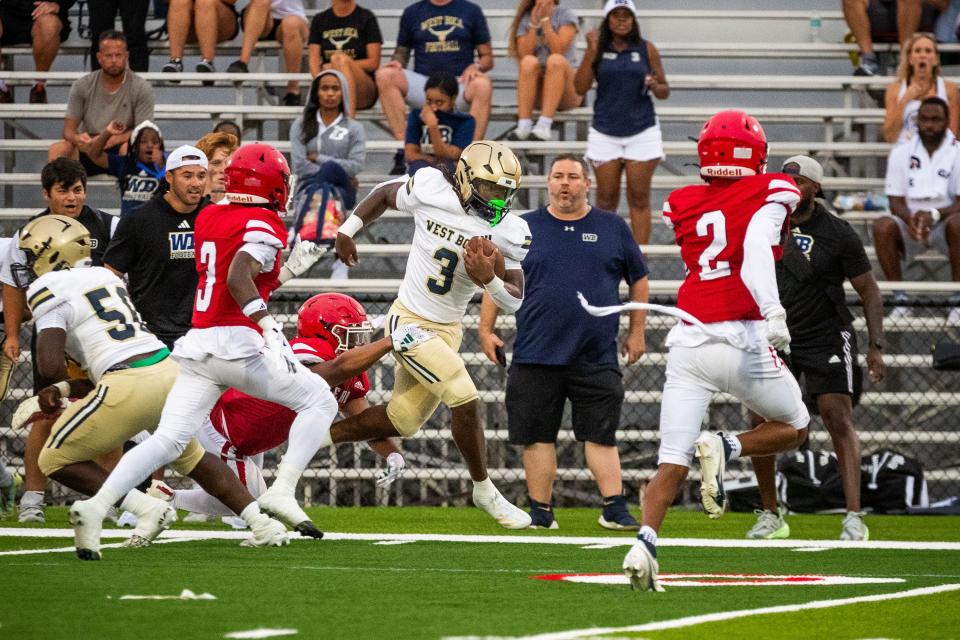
815 24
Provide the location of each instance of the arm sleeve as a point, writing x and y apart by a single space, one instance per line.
667 214
298 151
315 31
357 154
264 254
897 180
56 317
758 272
407 199
76 102
634 265
122 252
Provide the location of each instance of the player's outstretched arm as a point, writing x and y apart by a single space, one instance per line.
352 362
383 197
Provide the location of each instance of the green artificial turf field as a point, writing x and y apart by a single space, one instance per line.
399 573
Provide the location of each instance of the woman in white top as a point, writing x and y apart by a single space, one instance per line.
918 77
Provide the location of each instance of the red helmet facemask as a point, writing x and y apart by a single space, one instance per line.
258 174
335 318
732 145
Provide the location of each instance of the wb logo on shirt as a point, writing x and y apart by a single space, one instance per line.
181 245
804 242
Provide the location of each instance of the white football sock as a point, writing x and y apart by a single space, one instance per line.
309 432
484 487
544 122
735 447
647 533
137 502
135 465
31 499
199 501
524 124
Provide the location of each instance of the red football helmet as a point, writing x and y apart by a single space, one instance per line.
258 174
732 144
336 319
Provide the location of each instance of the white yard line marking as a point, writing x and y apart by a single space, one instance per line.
611 541
186 594
724 579
112 545
261 633
743 613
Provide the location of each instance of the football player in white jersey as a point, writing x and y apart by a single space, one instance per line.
448 209
85 312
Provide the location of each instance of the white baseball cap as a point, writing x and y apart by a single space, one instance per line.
619 4
186 156
806 167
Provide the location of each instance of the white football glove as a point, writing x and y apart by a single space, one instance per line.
407 336
273 337
28 407
395 467
303 255
777 333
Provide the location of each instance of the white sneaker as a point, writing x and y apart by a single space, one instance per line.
519 133
267 532
159 516
542 133
854 528
712 465
953 318
641 568
87 521
127 519
769 526
500 509
32 513
286 509
195 517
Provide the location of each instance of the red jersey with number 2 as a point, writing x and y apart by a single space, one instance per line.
219 233
710 222
253 425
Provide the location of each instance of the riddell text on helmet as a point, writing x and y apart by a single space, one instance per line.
721 172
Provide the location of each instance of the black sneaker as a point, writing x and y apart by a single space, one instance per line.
174 65
291 100
541 515
238 66
399 164
206 66
616 516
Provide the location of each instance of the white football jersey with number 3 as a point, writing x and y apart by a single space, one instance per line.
436 285
92 305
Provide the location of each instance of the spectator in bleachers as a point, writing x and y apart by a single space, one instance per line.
113 92
42 25
889 21
437 132
64 189
625 133
231 127
206 22
923 185
444 35
346 37
217 146
563 353
133 16
284 21
140 170
542 38
918 77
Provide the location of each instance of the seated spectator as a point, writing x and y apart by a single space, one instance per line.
42 25
346 38
284 21
217 146
923 185
140 171
444 35
887 21
133 16
918 77
542 40
624 134
111 93
436 132
231 127
206 22
327 151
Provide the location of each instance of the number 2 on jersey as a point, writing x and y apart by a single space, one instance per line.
208 257
713 223
448 260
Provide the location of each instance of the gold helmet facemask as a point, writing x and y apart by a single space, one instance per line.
51 243
488 176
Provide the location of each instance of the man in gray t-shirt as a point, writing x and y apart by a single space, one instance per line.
112 93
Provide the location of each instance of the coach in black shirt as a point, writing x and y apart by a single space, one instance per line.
153 245
821 252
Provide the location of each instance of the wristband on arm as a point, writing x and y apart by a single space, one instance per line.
351 226
501 296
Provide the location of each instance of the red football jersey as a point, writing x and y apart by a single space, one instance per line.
220 231
709 222
253 425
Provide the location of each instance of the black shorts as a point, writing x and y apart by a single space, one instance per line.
536 395
272 35
17 20
828 368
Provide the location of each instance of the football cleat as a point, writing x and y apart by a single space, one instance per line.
854 528
500 509
395 466
87 521
284 508
150 522
641 568
713 462
770 525
267 532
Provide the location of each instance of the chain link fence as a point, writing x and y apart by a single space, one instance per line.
913 412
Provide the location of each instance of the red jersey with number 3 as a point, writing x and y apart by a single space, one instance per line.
253 425
219 233
710 222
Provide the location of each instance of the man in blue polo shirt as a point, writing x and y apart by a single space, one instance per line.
563 353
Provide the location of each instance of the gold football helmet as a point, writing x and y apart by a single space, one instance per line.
51 243
488 176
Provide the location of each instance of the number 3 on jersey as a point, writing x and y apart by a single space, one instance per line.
208 258
713 223
448 260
